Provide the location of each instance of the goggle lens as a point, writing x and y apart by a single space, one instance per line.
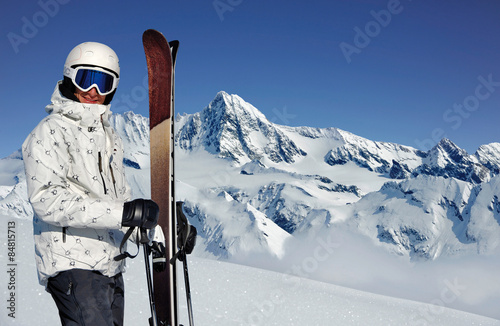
86 78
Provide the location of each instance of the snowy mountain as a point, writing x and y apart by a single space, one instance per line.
13 189
399 162
296 177
234 129
259 191
448 160
393 160
429 216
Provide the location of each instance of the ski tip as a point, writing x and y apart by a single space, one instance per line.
160 68
152 35
151 31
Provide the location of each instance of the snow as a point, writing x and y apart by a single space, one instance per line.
231 294
269 298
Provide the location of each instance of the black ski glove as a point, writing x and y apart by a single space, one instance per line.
142 213
159 256
190 241
186 233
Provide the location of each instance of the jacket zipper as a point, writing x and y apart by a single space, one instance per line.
100 171
113 177
64 234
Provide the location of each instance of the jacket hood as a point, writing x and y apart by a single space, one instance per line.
87 114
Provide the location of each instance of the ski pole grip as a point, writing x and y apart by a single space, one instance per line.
143 213
144 236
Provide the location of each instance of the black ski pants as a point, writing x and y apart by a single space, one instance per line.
88 298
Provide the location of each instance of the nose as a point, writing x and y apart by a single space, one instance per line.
93 91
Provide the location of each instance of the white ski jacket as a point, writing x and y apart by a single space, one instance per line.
76 185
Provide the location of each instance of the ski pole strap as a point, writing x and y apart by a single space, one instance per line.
177 255
126 254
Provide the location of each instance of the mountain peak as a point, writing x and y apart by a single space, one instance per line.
235 129
234 106
446 159
446 152
223 94
221 97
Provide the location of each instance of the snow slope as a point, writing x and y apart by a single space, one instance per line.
230 294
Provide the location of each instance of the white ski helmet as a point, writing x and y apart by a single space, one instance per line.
90 54
93 54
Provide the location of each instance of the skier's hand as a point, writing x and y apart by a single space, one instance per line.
142 213
190 241
159 256
157 248
186 233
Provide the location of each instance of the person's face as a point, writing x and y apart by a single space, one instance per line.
90 97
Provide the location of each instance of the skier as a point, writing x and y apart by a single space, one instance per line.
80 197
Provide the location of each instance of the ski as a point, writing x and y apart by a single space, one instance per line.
160 61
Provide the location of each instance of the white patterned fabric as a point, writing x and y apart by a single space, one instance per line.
77 187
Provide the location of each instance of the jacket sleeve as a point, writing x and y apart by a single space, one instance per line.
56 198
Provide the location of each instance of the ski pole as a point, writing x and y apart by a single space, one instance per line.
152 321
188 289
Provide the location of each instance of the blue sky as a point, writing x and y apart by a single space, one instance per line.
409 72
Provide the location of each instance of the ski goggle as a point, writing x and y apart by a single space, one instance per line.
86 78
